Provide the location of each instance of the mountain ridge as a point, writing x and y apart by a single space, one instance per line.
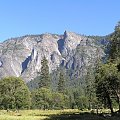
22 56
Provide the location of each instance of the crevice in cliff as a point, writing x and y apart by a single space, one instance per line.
60 45
25 63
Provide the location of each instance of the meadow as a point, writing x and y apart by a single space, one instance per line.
32 114
68 114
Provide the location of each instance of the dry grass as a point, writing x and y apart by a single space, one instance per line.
67 114
32 114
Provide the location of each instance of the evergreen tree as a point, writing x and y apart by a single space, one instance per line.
115 43
90 86
114 57
61 83
44 74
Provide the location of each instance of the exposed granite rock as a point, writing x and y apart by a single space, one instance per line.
22 56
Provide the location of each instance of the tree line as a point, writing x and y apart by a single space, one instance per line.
14 93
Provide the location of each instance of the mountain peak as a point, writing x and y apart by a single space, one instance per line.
67 34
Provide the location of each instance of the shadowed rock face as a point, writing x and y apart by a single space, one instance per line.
22 56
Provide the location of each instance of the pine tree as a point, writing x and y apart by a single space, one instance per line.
115 43
90 88
44 74
61 83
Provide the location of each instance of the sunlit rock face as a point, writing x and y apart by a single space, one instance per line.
22 56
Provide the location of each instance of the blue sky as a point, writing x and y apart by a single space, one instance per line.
89 17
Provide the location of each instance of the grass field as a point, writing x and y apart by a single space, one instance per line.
32 114
52 115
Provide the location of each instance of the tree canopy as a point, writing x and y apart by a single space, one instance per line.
14 93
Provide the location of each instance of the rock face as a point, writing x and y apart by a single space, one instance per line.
22 56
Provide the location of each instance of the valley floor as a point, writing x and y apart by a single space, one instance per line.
67 114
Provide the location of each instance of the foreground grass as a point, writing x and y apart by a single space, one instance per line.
32 114
53 115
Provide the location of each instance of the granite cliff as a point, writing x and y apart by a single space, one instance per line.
22 56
